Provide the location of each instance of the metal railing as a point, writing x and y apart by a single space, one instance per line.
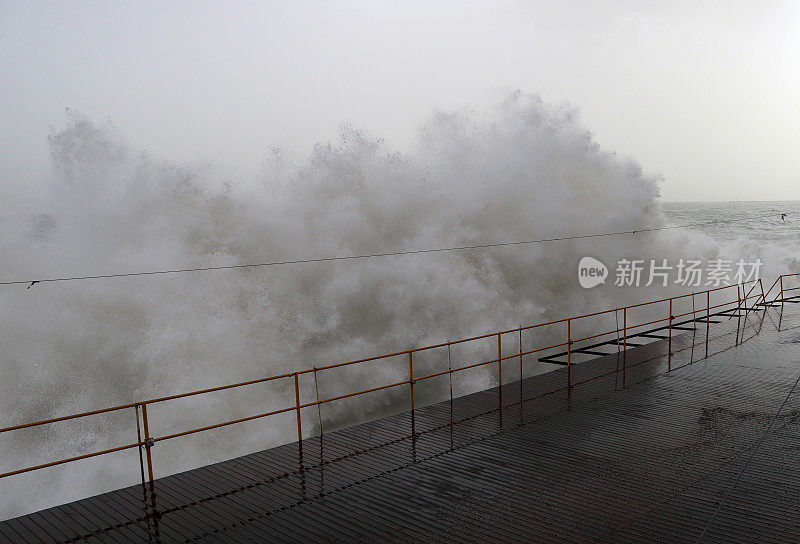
145 440
780 296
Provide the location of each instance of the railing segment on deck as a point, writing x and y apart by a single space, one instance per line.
655 328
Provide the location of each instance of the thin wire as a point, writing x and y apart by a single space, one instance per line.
31 282
752 454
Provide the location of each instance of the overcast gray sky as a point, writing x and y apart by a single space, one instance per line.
706 94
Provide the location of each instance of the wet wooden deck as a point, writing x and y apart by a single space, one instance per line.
652 449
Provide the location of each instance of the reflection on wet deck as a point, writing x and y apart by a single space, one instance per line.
643 448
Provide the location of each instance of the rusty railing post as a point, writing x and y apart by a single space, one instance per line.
738 314
139 440
708 317
297 408
569 354
624 331
500 375
520 373
671 317
624 344
299 435
450 376
411 382
739 301
141 470
411 379
319 405
148 442
499 361
782 295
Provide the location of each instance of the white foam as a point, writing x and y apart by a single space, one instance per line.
517 170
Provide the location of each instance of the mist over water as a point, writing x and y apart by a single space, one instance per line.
746 230
517 170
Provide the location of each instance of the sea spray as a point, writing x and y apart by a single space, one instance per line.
517 170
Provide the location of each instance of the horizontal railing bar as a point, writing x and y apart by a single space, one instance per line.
597 335
564 320
218 388
547 347
218 425
134 404
648 323
537 350
322 401
471 339
676 297
357 361
692 313
435 374
467 367
71 459
72 416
